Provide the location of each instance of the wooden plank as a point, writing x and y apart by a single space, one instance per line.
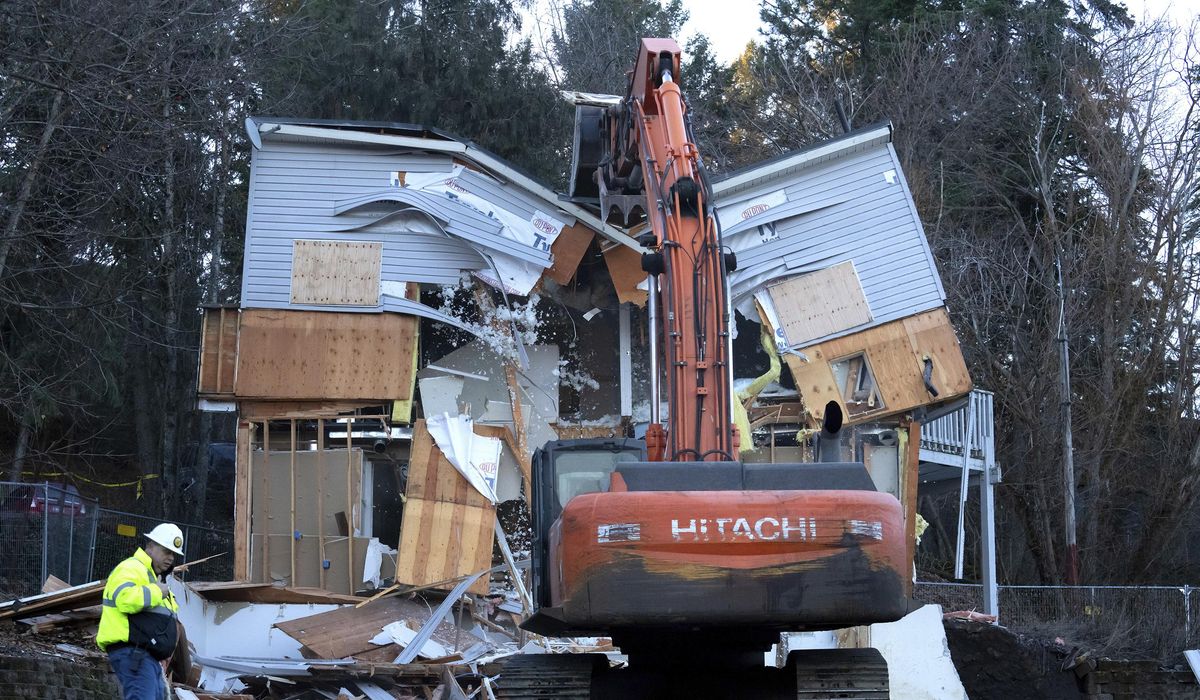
350 503
346 631
447 528
343 273
262 410
292 476
266 472
242 592
895 352
218 351
819 303
522 446
321 500
909 476
568 250
302 355
241 501
625 268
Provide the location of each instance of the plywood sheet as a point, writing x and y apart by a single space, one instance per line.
325 356
347 631
218 351
448 527
820 303
567 250
625 268
896 353
342 273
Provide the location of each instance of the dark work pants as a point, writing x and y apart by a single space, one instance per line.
140 676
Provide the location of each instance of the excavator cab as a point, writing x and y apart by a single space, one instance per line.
562 470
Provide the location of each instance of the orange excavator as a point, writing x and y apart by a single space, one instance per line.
690 559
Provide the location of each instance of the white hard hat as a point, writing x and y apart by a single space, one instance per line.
169 536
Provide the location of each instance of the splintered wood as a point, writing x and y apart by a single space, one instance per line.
447 530
568 250
340 273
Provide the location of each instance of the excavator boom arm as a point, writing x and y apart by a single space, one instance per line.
653 142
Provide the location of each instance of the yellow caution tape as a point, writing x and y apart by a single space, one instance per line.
75 477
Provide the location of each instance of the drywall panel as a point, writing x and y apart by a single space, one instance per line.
338 273
325 355
485 397
448 526
820 303
324 483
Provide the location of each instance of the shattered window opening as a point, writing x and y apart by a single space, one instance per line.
857 386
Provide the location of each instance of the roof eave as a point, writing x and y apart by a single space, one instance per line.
777 168
256 128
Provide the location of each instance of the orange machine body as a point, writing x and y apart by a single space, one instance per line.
787 560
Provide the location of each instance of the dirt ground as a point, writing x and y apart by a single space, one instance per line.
997 664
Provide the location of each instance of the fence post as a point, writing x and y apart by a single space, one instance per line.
70 547
1187 614
45 529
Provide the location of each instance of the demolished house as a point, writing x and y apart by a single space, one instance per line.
418 317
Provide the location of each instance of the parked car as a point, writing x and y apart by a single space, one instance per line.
37 499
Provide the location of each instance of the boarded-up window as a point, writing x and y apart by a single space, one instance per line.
342 273
820 303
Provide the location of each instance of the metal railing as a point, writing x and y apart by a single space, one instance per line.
1127 621
45 530
947 434
119 534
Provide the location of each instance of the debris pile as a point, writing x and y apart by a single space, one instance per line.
257 641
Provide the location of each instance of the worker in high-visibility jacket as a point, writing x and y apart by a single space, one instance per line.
138 623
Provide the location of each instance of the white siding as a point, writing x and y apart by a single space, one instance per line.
855 207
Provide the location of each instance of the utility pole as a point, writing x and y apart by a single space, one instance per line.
1064 374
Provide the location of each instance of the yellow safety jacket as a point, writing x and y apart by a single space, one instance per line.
132 593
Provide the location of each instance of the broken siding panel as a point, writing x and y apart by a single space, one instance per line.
458 220
294 189
857 210
510 197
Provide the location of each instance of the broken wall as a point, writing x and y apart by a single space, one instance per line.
300 515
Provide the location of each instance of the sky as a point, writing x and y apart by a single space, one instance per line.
729 25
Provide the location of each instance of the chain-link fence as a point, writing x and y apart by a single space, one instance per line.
1126 621
45 530
119 534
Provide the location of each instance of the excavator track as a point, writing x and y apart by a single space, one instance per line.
841 674
818 674
541 676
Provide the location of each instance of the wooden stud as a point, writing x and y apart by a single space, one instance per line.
910 475
266 519
292 473
241 501
321 498
522 450
349 505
